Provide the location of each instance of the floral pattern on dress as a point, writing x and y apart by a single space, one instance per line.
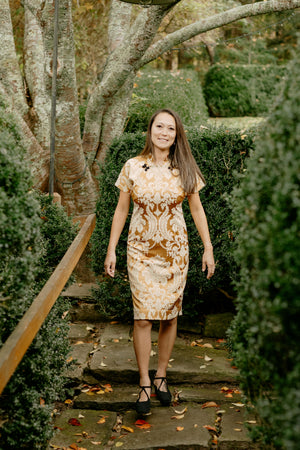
157 246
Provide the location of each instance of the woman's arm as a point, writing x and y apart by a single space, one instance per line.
200 220
117 226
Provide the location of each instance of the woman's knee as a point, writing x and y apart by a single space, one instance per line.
142 324
169 323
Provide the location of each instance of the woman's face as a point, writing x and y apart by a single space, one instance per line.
163 131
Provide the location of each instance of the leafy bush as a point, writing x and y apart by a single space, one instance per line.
265 333
155 89
219 153
25 239
242 90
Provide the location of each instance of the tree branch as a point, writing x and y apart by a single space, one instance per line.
120 64
216 21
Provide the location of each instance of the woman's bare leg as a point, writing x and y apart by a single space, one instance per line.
142 348
166 339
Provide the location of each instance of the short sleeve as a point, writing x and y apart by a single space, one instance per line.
200 184
124 183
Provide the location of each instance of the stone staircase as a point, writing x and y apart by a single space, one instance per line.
101 414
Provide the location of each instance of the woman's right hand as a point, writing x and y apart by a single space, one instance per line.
110 263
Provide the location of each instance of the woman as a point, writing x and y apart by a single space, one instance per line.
157 249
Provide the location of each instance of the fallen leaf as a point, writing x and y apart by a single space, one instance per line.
181 412
80 416
238 404
251 421
116 340
237 429
203 366
171 360
142 424
207 345
100 392
195 425
102 420
102 364
180 416
74 422
209 405
152 353
114 322
42 402
64 314
119 444
229 395
73 446
210 428
200 357
96 443
107 388
207 358
131 430
179 428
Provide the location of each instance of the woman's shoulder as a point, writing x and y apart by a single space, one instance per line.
135 160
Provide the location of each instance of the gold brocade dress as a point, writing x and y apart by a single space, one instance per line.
157 246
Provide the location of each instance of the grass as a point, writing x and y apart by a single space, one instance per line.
236 122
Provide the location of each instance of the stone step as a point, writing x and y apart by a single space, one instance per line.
106 354
124 398
105 429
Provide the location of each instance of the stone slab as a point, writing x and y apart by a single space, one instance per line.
83 331
80 353
115 362
85 312
67 434
79 290
124 398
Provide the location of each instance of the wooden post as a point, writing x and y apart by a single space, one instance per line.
18 342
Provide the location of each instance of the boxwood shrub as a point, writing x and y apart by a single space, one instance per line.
265 333
235 90
155 89
29 227
219 153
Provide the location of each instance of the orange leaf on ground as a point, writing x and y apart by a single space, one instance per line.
131 430
102 420
229 395
209 428
179 428
74 422
209 405
142 424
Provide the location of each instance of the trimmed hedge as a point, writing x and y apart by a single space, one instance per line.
219 153
155 89
265 333
25 265
235 90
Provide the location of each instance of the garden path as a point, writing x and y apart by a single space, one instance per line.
101 414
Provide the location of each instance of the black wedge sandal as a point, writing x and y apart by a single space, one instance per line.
165 397
143 408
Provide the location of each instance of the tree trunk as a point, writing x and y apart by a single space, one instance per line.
73 179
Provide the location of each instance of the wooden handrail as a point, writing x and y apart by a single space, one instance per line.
18 342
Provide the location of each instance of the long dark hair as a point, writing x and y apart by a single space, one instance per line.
180 154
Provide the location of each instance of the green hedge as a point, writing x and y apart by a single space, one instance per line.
219 153
235 90
25 264
155 89
265 333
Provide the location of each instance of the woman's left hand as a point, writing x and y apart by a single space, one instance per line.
208 262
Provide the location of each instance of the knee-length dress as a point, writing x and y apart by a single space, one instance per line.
157 246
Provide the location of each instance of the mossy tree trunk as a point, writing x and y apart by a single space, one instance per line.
29 94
